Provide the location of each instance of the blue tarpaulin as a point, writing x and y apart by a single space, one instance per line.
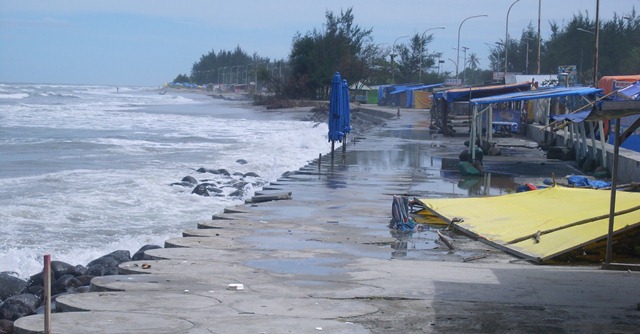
537 94
583 181
632 91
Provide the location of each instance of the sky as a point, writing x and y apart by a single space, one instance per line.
150 42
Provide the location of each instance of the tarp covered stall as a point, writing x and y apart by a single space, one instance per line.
422 100
542 224
403 95
548 93
450 110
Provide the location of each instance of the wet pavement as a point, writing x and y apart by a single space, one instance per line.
326 260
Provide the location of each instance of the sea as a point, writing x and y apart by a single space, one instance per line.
87 170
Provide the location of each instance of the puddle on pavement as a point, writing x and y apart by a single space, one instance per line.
425 174
308 266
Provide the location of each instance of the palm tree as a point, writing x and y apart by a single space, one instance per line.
474 61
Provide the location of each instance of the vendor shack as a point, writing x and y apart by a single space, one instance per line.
407 96
451 111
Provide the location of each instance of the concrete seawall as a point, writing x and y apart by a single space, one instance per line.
628 162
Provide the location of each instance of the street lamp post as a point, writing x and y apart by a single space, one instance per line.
422 50
506 41
526 58
393 64
595 56
458 48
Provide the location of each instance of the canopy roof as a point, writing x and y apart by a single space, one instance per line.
401 89
543 93
464 94
542 224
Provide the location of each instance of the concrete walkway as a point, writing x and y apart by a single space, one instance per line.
325 260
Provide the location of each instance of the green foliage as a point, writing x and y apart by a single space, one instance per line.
317 55
181 78
414 59
573 44
231 67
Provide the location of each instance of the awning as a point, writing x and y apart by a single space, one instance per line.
603 110
401 89
464 94
537 94
542 224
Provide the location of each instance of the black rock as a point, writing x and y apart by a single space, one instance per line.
65 284
6 326
59 269
18 306
190 179
201 190
139 255
241 161
11 285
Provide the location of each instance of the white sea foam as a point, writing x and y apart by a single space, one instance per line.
81 177
14 96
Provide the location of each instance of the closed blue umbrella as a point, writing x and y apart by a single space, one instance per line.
335 96
345 112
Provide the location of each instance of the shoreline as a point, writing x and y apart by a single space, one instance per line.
329 246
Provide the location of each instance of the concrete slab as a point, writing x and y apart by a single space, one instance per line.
104 322
309 308
270 324
204 242
160 302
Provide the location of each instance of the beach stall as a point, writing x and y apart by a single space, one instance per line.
451 112
359 92
574 98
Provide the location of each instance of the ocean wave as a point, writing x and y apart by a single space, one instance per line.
14 96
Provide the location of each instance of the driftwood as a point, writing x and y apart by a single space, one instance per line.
445 240
473 258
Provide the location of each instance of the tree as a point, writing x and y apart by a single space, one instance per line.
181 78
474 61
413 59
317 55
573 44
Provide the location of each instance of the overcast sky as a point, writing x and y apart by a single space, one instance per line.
149 42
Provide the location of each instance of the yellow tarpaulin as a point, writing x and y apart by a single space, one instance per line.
422 99
540 224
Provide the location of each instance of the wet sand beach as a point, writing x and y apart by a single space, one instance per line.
325 260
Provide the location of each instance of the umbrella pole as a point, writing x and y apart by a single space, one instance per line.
344 143
333 145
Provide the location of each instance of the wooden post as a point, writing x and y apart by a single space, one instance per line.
47 294
612 201
319 161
